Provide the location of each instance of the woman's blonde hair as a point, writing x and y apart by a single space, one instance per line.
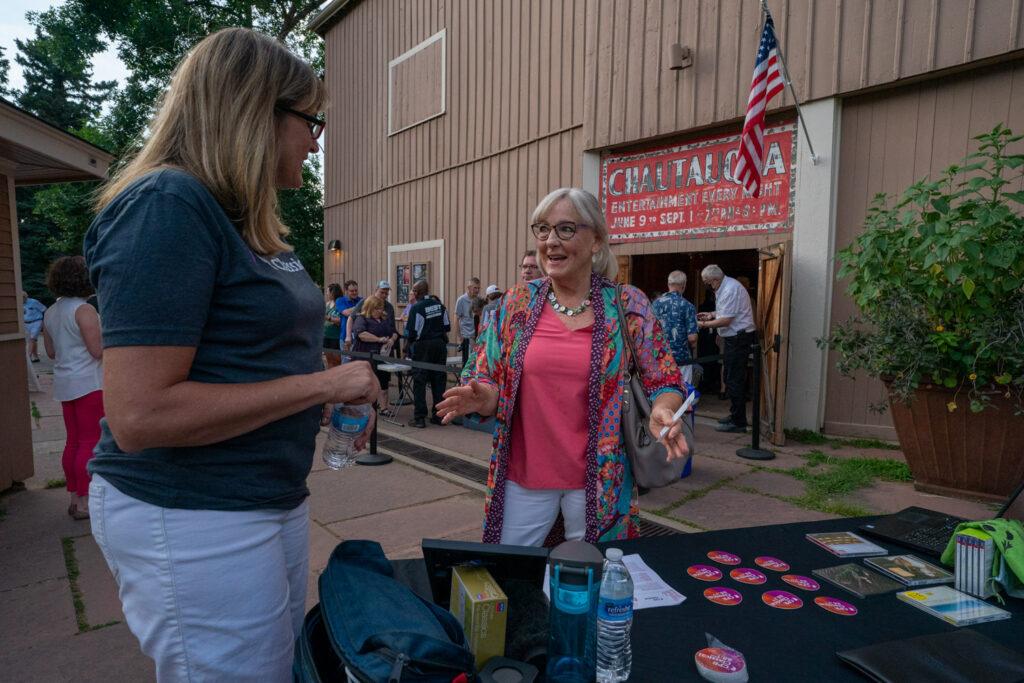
217 121
371 304
589 211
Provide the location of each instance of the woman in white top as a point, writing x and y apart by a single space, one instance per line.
71 334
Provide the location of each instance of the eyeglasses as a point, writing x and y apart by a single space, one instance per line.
529 266
565 230
316 125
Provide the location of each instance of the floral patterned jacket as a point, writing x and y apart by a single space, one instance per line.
611 496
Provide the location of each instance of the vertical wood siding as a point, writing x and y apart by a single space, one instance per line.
511 133
831 46
10 298
889 141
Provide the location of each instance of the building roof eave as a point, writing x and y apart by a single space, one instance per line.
330 15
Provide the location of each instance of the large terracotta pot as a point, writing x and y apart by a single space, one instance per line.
960 453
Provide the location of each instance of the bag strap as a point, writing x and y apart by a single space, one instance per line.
624 329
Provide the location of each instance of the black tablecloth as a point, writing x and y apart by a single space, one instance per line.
779 645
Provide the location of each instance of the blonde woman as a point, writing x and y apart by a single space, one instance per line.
213 395
374 332
551 366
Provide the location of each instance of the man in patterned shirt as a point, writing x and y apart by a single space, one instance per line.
679 320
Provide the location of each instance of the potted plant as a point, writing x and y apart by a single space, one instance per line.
938 276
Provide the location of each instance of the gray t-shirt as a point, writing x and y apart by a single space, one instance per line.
464 314
171 269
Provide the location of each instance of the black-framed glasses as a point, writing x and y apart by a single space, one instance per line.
316 124
565 230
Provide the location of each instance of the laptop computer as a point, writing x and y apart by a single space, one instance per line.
927 531
504 562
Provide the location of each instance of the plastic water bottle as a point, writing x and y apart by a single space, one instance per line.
347 423
614 620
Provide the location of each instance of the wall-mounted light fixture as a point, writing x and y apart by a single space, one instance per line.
679 57
335 245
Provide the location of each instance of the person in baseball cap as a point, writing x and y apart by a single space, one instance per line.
493 296
382 293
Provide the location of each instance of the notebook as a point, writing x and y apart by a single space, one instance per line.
952 606
910 570
846 544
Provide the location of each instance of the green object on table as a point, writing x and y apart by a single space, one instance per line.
1008 537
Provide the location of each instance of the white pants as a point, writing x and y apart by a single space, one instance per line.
530 514
211 595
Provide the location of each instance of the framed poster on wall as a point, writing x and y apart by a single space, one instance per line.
420 271
403 283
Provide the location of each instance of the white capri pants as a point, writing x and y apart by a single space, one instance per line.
211 595
530 514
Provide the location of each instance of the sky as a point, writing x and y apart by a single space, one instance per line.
106 66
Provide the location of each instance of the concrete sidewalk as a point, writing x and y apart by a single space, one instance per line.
59 612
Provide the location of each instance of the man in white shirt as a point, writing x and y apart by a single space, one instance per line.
733 318
464 314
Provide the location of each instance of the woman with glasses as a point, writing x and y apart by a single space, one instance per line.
213 395
551 368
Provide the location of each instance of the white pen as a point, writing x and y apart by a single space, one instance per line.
679 413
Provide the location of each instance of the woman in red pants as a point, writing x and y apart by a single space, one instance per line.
71 334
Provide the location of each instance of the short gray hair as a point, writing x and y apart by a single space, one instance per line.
713 272
589 210
677 277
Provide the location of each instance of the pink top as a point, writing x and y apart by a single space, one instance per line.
549 424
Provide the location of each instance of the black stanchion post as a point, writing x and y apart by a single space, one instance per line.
755 452
373 457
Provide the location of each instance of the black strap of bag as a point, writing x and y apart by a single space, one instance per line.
647 456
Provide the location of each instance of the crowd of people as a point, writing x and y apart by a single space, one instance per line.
192 419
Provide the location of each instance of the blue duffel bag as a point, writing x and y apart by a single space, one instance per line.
377 628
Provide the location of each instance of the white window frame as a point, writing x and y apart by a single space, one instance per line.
439 36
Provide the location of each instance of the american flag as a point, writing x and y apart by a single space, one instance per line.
767 81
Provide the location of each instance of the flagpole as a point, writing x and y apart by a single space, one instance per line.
785 77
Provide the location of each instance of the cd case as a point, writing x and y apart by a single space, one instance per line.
910 570
846 544
952 606
857 579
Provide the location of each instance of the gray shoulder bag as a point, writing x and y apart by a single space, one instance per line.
647 456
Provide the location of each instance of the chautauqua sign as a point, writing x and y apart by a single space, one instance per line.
687 190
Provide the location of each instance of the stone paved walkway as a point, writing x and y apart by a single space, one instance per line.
60 618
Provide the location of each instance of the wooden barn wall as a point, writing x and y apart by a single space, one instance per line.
831 46
481 210
889 141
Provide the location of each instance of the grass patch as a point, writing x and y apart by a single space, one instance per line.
71 564
692 495
812 438
56 483
828 478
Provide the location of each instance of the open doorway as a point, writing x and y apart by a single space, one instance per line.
650 271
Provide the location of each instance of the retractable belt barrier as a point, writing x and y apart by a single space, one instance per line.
755 452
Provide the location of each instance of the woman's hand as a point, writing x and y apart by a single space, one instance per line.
470 398
325 416
352 382
674 441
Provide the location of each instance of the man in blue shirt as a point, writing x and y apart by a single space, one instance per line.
33 310
348 307
679 321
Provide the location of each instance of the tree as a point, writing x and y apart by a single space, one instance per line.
5 66
57 65
150 38
302 210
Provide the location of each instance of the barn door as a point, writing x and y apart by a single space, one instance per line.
773 290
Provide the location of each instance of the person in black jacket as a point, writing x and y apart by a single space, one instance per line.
427 332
